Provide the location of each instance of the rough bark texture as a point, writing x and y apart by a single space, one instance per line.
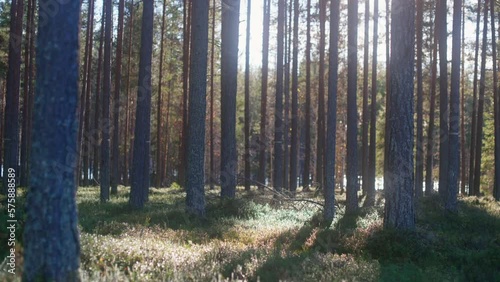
294 148
229 72
263 97
278 120
126 152
51 244
139 189
399 210
11 130
419 159
352 114
87 137
185 83
247 99
320 140
331 129
195 198
454 151
106 94
212 68
159 169
480 106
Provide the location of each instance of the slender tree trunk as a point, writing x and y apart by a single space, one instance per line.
278 121
84 100
429 182
126 153
399 210
463 170
195 198
229 72
212 68
419 158
307 149
454 153
496 99
372 163
2 121
31 93
26 101
294 148
480 106
263 98
185 86
105 126
366 122
99 93
441 14
139 189
52 254
87 138
247 100
320 145
474 106
329 211
352 114
159 168
115 166
11 130
387 85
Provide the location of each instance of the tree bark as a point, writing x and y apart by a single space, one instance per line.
52 254
229 72
352 114
212 68
496 99
263 97
419 159
247 99
126 153
320 141
294 148
399 210
366 122
159 168
307 157
329 211
444 137
454 144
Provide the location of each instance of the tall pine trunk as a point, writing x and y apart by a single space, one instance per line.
429 181
278 120
441 14
307 124
263 97
159 168
126 152
247 99
212 71
294 146
372 162
320 141
419 159
366 122
399 210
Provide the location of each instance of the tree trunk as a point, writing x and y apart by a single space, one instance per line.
159 168
329 211
229 72
372 163
263 98
364 133
454 145
286 91
463 170
212 68
480 106
52 254
105 158
387 85
126 153
496 99
139 189
429 181
278 121
399 211
419 158
441 13
474 105
320 145
294 148
115 166
97 116
11 130
195 198
247 100
185 84
352 114
307 158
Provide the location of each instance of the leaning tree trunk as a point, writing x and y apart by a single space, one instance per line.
399 210
53 254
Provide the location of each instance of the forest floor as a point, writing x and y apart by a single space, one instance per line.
254 238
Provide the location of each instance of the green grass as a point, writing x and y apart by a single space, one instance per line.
252 238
